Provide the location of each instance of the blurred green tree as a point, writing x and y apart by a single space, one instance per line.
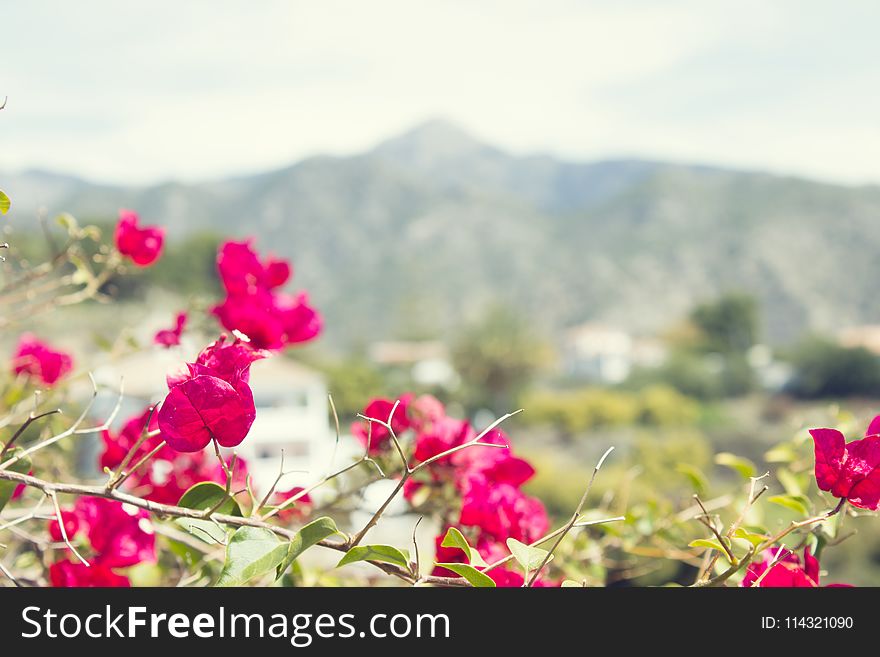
823 368
727 325
496 357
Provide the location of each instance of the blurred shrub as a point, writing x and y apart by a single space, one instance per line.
728 325
701 376
580 410
665 406
825 369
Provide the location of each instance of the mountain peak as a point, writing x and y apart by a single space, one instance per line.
431 143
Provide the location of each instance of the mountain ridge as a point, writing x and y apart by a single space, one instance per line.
429 228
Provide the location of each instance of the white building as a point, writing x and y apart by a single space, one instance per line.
427 361
293 415
605 354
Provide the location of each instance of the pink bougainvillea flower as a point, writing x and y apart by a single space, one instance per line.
849 471
253 304
410 488
121 534
229 361
142 245
788 571
424 410
298 510
70 574
71 526
206 408
442 435
212 399
494 464
380 409
117 446
503 511
270 320
171 337
35 358
242 272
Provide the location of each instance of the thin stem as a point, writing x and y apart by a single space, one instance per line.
73 429
30 420
137 466
142 438
60 518
571 523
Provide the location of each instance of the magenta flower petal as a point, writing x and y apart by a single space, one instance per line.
205 408
253 304
848 470
142 245
171 337
120 534
38 360
70 574
830 449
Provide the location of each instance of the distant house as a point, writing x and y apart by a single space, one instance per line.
292 412
427 361
604 354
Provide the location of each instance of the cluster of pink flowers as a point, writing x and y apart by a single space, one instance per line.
119 535
487 480
37 360
142 246
211 399
783 568
849 471
254 305
168 474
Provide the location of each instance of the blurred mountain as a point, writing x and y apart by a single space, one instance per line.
429 228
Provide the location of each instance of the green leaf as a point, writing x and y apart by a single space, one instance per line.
710 543
784 453
251 552
383 553
5 203
22 466
455 538
742 465
528 557
797 503
471 574
752 537
309 535
205 530
571 584
190 555
789 481
694 475
206 495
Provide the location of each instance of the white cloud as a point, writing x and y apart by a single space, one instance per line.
203 89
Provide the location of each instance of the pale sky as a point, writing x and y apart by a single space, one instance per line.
142 92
